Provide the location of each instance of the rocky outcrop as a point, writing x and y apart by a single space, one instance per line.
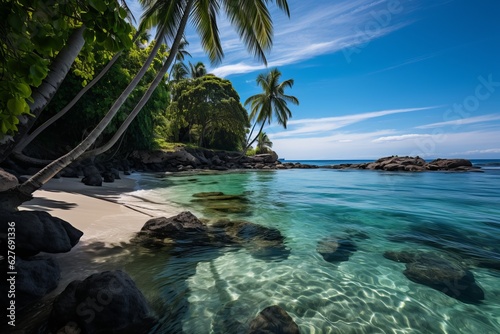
7 180
336 250
186 231
412 164
37 231
184 228
441 273
92 176
107 302
273 319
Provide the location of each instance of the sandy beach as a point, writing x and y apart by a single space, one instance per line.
108 216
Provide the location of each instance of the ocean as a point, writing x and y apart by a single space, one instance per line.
451 215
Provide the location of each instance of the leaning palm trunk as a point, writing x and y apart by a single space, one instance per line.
249 144
24 191
28 139
147 95
44 93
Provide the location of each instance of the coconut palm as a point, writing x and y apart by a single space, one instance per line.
271 102
198 70
264 144
252 21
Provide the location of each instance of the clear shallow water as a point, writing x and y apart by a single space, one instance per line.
221 291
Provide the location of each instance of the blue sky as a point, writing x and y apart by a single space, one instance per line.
377 78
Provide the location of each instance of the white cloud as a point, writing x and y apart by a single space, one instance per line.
411 136
311 31
462 121
315 126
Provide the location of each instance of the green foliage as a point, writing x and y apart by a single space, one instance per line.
264 144
91 108
32 32
207 110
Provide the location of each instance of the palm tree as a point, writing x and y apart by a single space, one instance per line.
264 144
271 102
198 70
252 21
179 72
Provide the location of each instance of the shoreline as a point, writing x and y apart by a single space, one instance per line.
107 218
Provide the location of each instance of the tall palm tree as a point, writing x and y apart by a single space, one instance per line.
271 102
264 144
252 21
179 72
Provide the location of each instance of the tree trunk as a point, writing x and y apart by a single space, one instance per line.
44 175
44 93
253 141
145 98
18 149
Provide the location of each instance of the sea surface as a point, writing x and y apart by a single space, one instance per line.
456 215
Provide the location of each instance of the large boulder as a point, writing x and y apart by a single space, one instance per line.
37 231
34 278
7 180
441 273
184 227
447 164
335 249
273 319
92 176
107 302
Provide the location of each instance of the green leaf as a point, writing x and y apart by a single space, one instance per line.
99 5
23 89
122 12
16 105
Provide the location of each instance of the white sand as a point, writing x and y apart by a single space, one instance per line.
106 217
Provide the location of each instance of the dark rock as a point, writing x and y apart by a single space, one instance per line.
260 241
441 273
108 177
208 194
107 302
7 180
451 163
184 227
35 277
37 231
336 250
115 172
273 319
70 172
92 176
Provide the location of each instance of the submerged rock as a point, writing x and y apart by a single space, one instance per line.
273 319
261 241
107 302
336 250
440 273
38 231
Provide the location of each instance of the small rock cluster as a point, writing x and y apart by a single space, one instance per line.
412 164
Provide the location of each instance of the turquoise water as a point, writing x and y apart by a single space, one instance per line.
221 291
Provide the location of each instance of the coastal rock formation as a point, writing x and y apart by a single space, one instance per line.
107 302
440 273
37 231
7 180
336 250
273 319
412 164
186 230
92 176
